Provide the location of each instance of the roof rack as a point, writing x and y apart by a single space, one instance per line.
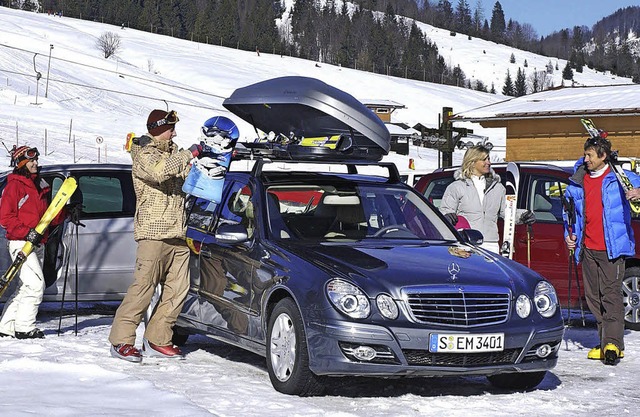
264 153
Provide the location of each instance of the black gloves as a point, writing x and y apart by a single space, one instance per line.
451 218
195 149
34 237
528 218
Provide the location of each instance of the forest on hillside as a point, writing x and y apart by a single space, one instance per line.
369 35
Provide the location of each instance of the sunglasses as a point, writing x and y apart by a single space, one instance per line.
170 119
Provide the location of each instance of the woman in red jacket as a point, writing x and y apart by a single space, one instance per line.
24 201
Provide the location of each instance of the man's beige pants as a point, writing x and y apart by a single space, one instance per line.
164 262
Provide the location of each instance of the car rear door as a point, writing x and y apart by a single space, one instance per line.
103 241
543 248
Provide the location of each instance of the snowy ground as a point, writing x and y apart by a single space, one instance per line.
69 375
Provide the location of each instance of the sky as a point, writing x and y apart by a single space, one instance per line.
547 16
89 97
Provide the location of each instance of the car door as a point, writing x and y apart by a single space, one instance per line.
226 271
101 247
544 248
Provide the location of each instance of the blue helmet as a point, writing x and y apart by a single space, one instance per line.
220 125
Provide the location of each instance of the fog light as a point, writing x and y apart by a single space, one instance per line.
364 353
543 351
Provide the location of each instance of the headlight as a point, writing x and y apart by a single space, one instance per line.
348 299
545 299
523 306
387 306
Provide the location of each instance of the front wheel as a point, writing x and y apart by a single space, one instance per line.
287 355
631 298
517 381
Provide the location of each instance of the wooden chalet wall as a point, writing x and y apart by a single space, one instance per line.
541 138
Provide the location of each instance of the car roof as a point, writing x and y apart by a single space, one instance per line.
66 168
501 166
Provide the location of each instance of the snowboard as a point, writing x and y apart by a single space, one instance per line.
57 203
511 204
621 176
208 171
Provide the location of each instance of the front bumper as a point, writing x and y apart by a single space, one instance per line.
404 351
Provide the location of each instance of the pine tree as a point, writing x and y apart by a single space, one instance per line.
508 88
520 85
498 25
567 72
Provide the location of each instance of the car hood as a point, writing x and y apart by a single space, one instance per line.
307 107
394 266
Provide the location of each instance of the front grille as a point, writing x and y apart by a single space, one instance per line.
426 358
459 308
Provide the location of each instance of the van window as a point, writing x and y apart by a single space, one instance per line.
105 195
435 190
545 199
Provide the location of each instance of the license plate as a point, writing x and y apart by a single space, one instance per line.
465 343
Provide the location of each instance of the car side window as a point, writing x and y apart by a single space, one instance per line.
435 189
105 195
545 198
239 208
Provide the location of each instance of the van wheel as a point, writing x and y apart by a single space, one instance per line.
287 354
631 298
517 381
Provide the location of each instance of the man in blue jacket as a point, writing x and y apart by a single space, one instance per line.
602 238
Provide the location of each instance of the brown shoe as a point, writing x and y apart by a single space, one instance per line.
155 351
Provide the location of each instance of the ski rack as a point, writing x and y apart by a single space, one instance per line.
264 153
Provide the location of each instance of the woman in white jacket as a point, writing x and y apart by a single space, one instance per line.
479 196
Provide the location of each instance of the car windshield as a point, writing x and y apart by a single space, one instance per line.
353 212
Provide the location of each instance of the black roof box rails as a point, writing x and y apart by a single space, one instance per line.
394 175
310 120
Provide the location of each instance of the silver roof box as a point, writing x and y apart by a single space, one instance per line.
300 111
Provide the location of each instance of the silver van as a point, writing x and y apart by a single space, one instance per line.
103 242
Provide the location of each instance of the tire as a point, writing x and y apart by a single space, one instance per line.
631 298
287 354
518 381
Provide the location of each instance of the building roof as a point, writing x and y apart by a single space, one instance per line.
609 100
382 103
401 130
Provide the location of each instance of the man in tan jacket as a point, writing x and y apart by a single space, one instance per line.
162 257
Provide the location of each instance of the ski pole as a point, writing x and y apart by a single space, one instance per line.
569 294
64 288
575 265
529 237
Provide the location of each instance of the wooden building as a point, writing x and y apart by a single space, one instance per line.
383 108
546 126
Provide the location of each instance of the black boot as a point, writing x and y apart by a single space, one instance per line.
33 334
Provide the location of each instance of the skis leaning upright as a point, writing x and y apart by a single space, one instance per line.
511 203
613 162
57 203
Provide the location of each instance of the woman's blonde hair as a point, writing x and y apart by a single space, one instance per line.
473 155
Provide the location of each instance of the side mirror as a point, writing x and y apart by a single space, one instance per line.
232 234
472 236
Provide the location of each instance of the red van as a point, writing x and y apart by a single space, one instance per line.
539 191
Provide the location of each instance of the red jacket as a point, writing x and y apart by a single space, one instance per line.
22 206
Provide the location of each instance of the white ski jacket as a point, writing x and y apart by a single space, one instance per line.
461 198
